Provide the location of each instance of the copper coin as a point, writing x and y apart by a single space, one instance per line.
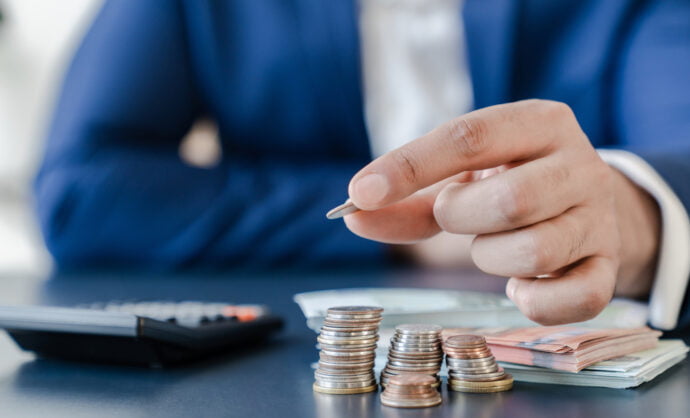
466 350
352 321
406 390
468 340
412 379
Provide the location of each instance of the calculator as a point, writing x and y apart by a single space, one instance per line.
153 333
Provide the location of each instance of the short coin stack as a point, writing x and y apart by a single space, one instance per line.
411 391
415 348
472 367
348 349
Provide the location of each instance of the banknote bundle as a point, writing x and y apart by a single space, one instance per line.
622 372
566 348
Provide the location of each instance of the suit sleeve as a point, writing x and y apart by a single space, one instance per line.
112 189
652 101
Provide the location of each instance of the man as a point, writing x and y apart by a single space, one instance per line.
282 80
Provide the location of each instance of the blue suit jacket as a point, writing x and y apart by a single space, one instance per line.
282 80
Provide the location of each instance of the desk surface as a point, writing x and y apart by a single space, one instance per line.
274 380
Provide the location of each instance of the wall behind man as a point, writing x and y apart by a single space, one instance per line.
37 37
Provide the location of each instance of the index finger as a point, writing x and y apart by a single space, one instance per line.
481 139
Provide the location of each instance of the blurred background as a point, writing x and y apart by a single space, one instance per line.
37 37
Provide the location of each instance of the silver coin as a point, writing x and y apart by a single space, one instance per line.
347 347
405 349
344 310
355 335
345 342
418 338
416 364
477 370
476 377
389 372
412 404
332 353
418 329
351 378
453 362
418 347
327 365
422 341
343 385
345 372
415 355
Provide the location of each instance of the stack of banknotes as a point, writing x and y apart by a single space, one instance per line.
449 308
565 348
615 350
567 355
621 372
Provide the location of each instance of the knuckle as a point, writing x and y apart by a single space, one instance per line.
409 167
514 204
551 109
556 175
538 255
468 137
443 210
575 236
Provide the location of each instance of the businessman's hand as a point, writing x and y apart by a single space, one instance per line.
546 210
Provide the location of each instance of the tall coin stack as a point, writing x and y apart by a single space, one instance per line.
411 391
415 348
348 348
472 367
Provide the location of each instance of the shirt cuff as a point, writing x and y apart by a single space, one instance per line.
673 265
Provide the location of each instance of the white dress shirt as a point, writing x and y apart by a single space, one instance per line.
416 76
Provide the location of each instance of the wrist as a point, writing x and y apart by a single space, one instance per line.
639 222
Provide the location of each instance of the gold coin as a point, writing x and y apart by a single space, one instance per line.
411 404
344 391
507 381
482 390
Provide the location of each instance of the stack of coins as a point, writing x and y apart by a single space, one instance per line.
411 391
472 367
348 348
415 348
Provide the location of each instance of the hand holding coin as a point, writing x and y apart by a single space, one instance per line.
546 210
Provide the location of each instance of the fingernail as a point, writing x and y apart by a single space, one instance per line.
510 289
370 190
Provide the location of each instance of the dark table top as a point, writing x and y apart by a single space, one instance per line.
275 379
